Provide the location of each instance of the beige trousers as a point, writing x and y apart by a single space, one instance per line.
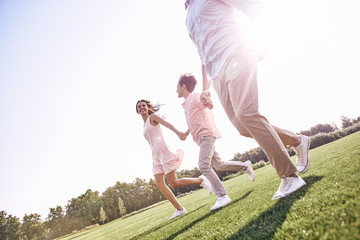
209 158
236 86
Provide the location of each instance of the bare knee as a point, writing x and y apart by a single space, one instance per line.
159 181
174 183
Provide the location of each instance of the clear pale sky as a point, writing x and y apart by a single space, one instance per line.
72 71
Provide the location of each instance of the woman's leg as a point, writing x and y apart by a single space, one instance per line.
176 183
160 183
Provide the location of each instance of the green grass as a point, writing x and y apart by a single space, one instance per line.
328 207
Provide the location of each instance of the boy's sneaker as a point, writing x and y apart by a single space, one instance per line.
288 185
206 184
302 154
178 213
221 201
250 170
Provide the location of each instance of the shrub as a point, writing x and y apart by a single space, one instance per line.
256 155
260 164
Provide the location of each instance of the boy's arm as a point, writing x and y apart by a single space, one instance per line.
205 95
158 119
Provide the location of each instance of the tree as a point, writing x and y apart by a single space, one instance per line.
76 214
13 227
355 120
56 223
32 227
345 121
102 215
9 227
127 194
55 213
321 128
110 203
121 206
3 224
84 210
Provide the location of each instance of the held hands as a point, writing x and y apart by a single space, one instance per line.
182 136
206 100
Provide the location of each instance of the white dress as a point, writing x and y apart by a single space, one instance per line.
164 160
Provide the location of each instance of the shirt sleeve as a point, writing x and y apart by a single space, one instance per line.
202 60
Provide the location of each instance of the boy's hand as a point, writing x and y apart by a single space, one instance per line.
206 100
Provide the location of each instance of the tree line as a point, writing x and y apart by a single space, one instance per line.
124 199
89 209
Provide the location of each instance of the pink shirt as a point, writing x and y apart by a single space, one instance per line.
200 119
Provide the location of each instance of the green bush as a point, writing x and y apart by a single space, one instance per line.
324 138
260 164
256 155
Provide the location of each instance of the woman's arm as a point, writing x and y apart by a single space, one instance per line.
157 119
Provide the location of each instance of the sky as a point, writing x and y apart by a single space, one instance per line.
71 72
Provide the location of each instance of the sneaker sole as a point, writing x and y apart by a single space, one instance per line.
212 209
308 159
177 216
285 195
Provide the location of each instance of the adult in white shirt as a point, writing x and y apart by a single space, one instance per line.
228 57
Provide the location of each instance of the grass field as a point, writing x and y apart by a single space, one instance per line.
328 207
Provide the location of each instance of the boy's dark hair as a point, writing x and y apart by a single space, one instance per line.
188 80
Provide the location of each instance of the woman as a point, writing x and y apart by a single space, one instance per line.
165 162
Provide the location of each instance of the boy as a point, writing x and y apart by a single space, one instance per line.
202 127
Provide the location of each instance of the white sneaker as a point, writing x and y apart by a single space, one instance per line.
178 213
221 201
206 184
250 170
302 154
288 185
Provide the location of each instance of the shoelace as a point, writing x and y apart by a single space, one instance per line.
300 154
285 184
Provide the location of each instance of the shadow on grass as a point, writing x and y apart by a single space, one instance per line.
205 216
266 225
163 224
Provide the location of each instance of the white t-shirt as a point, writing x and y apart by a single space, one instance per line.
215 30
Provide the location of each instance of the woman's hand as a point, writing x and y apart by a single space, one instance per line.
182 136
